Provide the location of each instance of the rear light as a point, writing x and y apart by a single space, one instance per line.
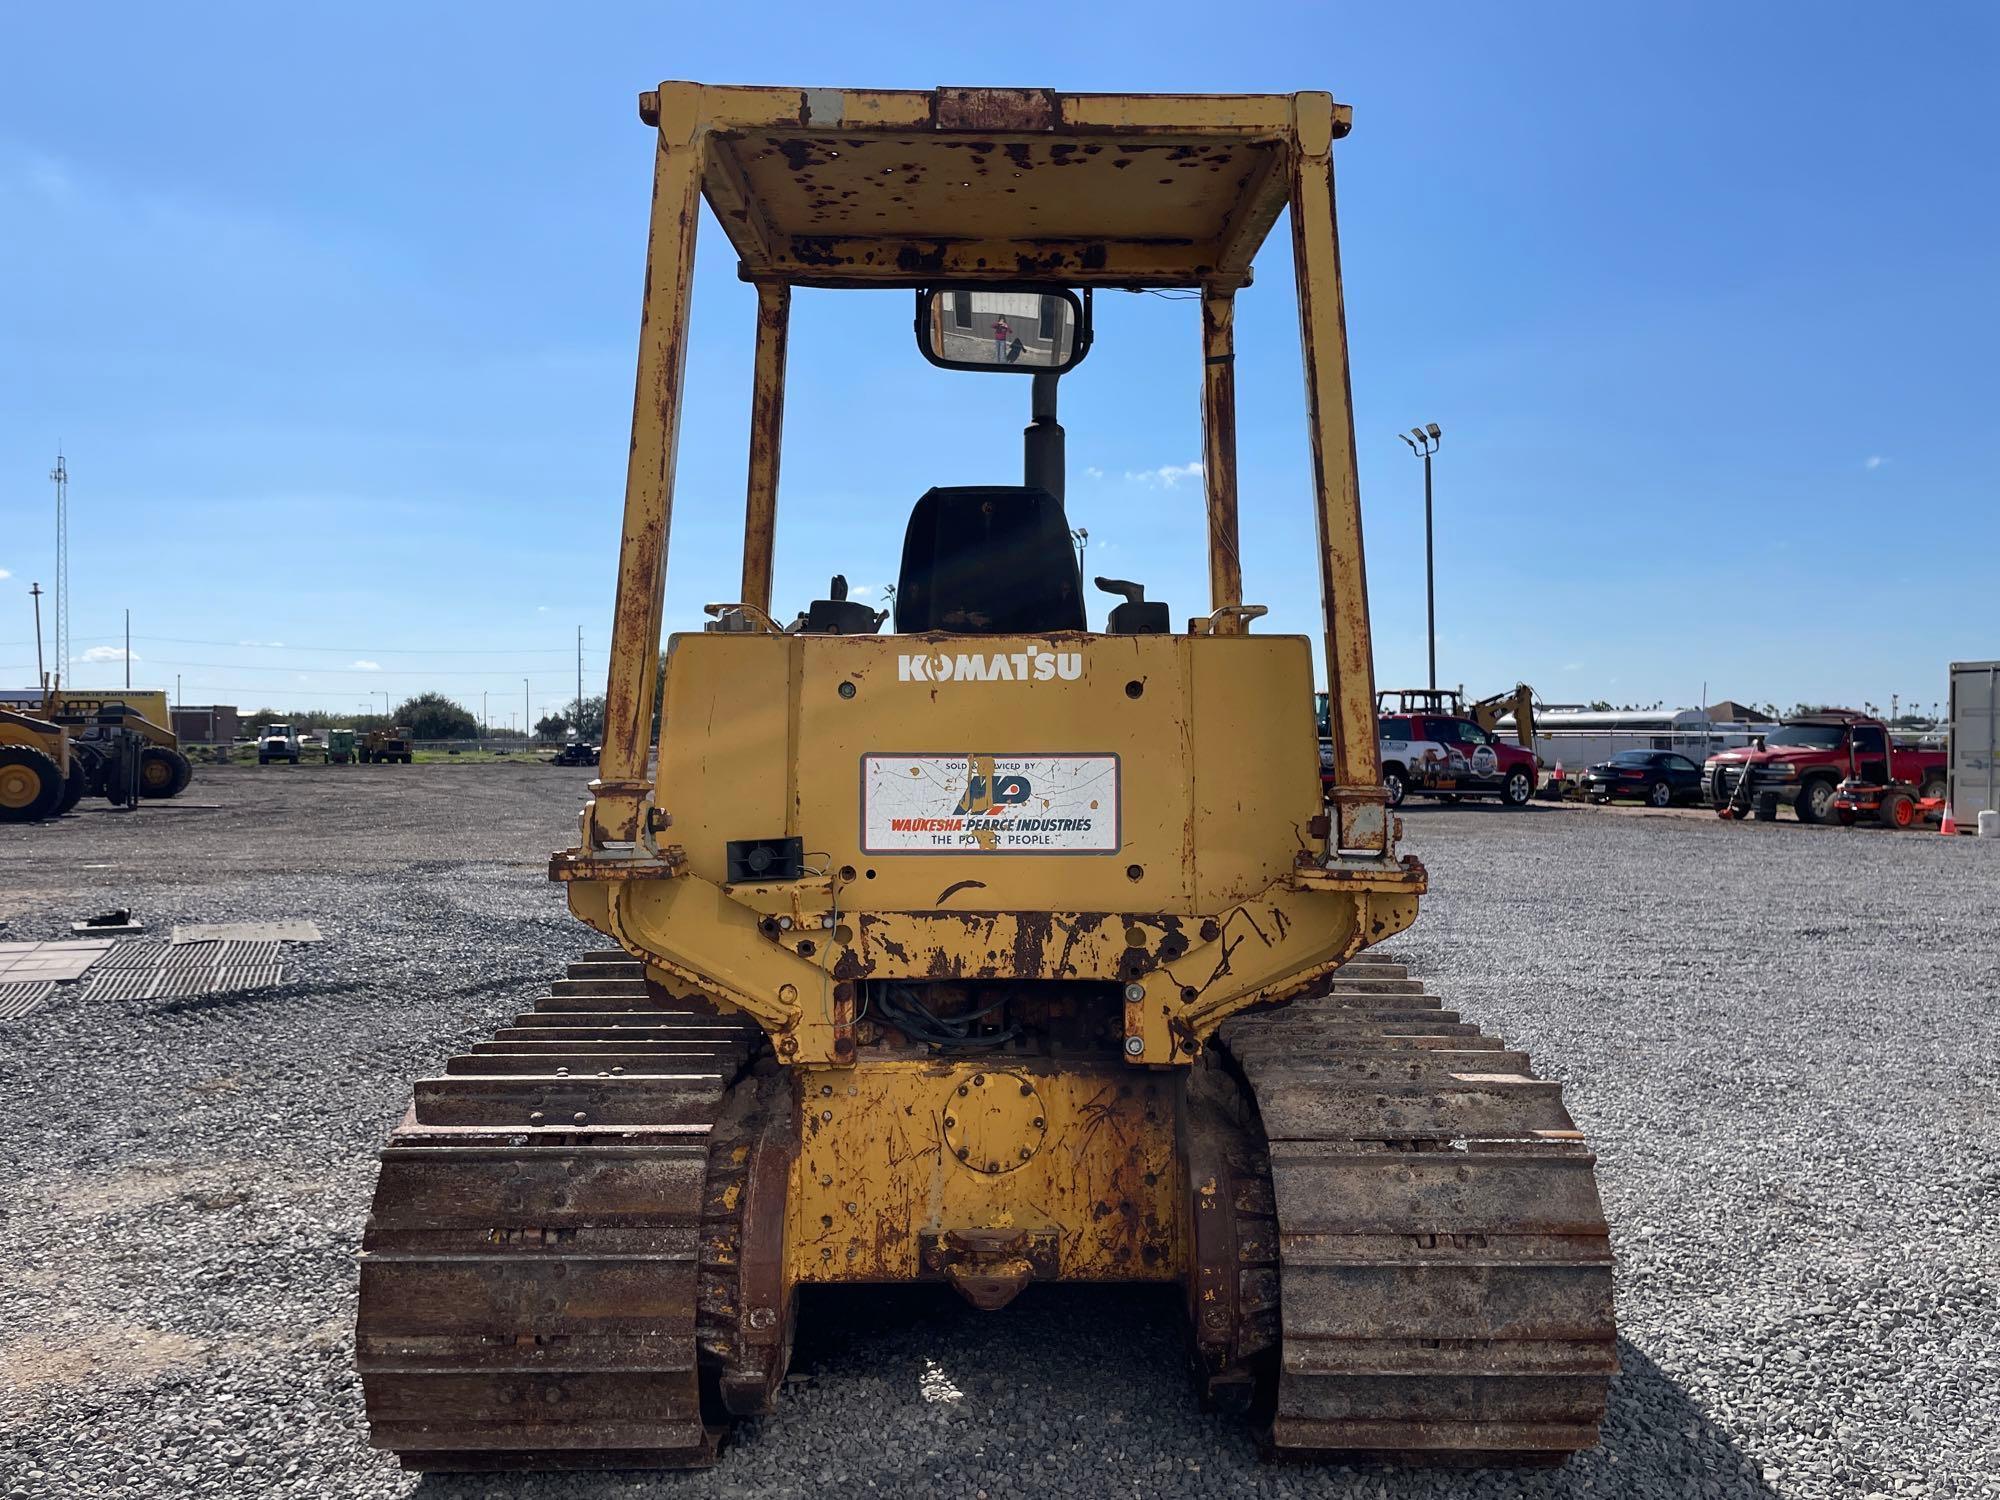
1633 775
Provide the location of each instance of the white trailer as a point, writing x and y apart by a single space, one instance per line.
1579 739
1974 783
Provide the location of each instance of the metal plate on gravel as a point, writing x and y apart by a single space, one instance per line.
17 999
291 930
122 984
193 957
141 954
172 984
183 984
248 977
20 962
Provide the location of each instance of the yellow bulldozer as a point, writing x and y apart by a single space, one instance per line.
996 949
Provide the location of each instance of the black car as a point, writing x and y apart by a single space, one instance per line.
1656 776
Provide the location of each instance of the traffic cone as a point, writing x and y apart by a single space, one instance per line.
1559 771
1947 824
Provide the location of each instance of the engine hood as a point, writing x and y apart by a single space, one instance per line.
1745 755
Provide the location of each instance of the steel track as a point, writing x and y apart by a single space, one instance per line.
1420 1263
1397 1250
543 1235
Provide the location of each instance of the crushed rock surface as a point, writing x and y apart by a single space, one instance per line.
1780 1039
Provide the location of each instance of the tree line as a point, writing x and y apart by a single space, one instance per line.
434 716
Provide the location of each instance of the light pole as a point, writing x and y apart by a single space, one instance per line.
524 708
1423 441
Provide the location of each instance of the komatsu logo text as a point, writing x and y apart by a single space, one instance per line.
997 666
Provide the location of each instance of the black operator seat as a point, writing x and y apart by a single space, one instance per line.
989 560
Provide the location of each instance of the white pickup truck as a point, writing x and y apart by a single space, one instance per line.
278 742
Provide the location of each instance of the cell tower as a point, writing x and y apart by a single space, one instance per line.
60 475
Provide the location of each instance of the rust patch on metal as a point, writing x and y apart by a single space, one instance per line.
996 109
915 260
815 250
1031 935
956 886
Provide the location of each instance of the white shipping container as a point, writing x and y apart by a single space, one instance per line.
1975 732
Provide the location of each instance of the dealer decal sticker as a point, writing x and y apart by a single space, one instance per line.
989 804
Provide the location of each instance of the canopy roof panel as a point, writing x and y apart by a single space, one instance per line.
831 187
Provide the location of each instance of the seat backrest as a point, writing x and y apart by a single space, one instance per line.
989 560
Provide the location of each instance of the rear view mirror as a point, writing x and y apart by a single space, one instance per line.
1015 330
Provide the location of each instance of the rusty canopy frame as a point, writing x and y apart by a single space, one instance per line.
910 188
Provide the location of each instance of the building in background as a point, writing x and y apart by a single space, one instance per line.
1728 711
214 725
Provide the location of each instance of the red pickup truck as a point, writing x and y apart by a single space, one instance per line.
1803 760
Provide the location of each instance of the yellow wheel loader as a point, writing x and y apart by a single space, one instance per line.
386 746
41 775
107 729
994 949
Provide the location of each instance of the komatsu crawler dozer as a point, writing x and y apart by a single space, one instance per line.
992 949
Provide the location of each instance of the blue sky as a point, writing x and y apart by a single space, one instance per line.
334 313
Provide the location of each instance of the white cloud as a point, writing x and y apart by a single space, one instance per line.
5 574
1572 666
862 591
364 666
541 609
1168 475
107 653
1094 472
1874 461
260 643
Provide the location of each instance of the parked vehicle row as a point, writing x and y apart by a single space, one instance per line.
1802 763
1831 766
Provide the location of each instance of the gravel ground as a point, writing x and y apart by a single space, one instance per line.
1779 1038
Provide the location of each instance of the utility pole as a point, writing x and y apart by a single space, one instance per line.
1426 444
482 718
59 475
128 650
41 672
524 705
579 682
